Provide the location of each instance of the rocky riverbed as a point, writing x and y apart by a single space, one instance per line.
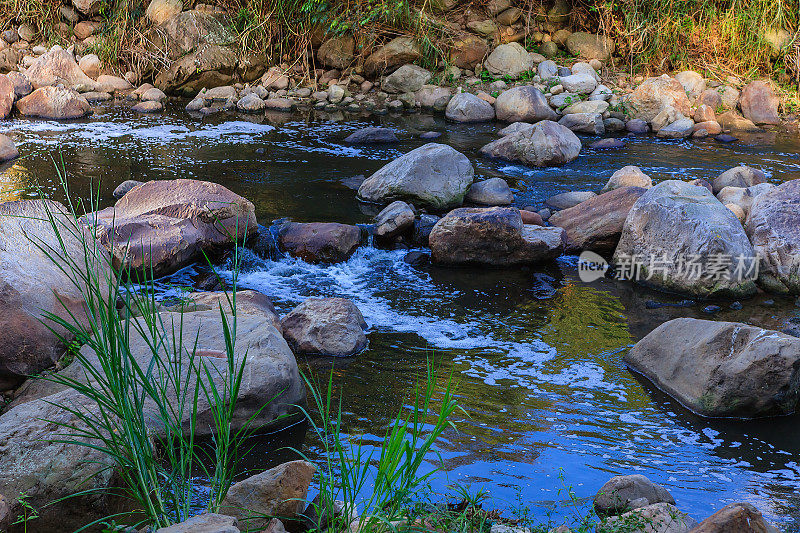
400 252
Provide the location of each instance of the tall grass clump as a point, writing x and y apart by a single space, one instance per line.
377 483
722 36
143 414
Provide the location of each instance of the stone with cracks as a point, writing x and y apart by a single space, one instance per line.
547 143
523 104
325 326
54 103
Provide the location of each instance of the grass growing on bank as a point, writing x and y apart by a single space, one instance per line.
721 36
143 414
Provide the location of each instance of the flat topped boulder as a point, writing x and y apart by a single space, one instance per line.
433 175
721 369
546 143
54 103
325 326
372 135
680 238
319 242
773 227
596 224
167 224
58 66
31 283
494 236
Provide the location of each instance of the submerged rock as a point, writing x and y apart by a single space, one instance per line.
164 225
492 236
680 238
721 369
545 144
433 175
565 200
124 188
325 326
372 135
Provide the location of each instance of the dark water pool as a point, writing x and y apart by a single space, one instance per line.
538 353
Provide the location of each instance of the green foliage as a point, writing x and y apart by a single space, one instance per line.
378 490
144 416
28 512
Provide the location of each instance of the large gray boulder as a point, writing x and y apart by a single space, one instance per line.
31 284
772 226
494 236
395 219
325 326
591 123
509 60
623 493
466 107
523 104
406 79
164 225
680 238
547 143
433 175
721 369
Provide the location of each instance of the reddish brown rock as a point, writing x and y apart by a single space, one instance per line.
468 51
531 217
319 242
8 150
167 224
57 67
54 103
656 94
7 96
759 103
596 224
735 518
492 236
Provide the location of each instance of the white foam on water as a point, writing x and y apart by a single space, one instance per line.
394 297
152 132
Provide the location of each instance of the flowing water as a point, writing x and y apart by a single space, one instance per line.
537 353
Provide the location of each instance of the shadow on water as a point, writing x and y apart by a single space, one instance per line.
538 353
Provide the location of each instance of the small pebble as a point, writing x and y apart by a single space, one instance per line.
711 309
768 302
725 138
736 306
430 135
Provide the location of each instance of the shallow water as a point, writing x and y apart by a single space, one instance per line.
538 353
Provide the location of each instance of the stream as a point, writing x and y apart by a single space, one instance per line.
548 402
